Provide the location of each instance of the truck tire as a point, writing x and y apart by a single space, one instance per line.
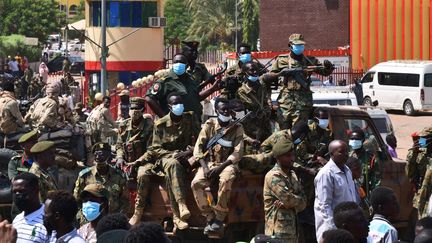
408 108
367 101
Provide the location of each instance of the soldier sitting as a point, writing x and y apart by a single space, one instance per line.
219 164
11 120
173 135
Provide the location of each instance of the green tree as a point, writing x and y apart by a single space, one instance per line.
179 19
250 22
31 18
13 44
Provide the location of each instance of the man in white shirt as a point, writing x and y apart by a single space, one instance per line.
29 223
333 185
13 67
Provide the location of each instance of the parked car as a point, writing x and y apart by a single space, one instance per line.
56 64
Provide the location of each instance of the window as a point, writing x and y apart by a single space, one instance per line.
399 79
368 78
371 143
428 80
381 125
73 9
124 14
333 102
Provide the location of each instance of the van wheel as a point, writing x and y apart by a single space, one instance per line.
408 108
367 101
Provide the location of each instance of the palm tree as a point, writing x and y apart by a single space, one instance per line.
250 23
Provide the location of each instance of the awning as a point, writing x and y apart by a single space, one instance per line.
79 25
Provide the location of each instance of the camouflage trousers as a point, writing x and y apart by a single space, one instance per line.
174 174
293 106
220 210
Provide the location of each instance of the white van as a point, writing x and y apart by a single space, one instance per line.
401 85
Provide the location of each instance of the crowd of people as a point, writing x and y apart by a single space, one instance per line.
316 188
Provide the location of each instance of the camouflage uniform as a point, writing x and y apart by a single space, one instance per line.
46 181
44 112
424 194
418 161
113 182
230 148
11 120
19 164
169 138
187 87
371 170
255 99
282 222
101 124
199 73
133 142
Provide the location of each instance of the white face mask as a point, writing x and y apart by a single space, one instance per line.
224 118
355 144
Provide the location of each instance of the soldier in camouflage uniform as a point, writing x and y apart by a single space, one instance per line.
35 88
78 115
22 163
198 71
101 123
124 105
11 120
255 98
133 142
173 136
371 165
283 195
44 156
102 173
219 165
295 101
425 192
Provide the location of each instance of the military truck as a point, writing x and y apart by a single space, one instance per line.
246 217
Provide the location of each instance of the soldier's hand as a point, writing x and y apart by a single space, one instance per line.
129 166
214 173
321 160
120 163
328 64
278 204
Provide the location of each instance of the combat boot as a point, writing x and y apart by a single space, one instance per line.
136 217
184 211
180 224
216 229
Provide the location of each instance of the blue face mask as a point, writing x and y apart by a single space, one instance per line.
323 123
91 210
253 78
297 49
244 58
355 144
177 109
297 141
422 142
179 68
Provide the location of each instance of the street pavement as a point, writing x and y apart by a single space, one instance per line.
405 125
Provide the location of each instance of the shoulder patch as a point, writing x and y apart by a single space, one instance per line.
84 171
155 88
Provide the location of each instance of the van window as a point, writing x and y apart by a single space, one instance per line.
399 79
381 125
368 77
428 80
333 102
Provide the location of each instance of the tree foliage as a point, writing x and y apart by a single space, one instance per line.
178 20
31 18
13 44
250 22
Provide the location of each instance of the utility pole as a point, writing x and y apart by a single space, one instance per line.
236 27
66 29
104 85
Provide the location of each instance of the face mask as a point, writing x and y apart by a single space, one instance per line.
253 78
21 201
179 68
177 109
297 141
244 58
323 123
355 144
223 118
297 49
91 210
422 142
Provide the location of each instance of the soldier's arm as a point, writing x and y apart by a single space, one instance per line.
412 164
49 118
267 145
78 186
326 71
153 95
207 92
288 196
14 110
425 192
200 143
107 115
119 147
248 103
237 154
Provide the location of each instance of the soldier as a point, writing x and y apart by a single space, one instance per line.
255 98
78 115
173 136
22 163
11 120
134 141
123 106
110 178
245 55
198 71
424 195
101 122
283 195
371 171
179 81
220 164
295 99
66 65
44 156
35 88
44 113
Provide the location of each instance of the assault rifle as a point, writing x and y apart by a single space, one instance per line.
297 73
213 77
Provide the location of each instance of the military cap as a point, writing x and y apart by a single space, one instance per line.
137 103
41 146
282 147
26 137
297 39
95 189
101 147
124 92
79 106
192 45
427 131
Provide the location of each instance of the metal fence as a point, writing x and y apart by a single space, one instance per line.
343 75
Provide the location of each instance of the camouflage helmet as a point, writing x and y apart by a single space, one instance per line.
296 39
